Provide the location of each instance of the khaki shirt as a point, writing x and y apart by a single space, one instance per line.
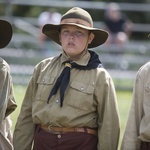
89 101
6 134
7 100
138 124
7 106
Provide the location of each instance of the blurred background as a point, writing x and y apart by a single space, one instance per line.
122 55
28 47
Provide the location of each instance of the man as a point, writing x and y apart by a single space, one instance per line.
7 101
137 132
70 102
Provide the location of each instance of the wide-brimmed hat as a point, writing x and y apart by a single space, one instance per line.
78 17
5 33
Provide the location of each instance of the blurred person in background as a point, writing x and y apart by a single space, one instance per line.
70 102
117 24
7 100
49 16
137 131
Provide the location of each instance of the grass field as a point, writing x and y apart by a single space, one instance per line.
124 101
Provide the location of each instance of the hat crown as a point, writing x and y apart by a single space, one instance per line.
5 33
78 13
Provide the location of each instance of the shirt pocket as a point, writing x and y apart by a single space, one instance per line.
147 94
80 96
44 87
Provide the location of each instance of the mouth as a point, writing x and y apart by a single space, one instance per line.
71 44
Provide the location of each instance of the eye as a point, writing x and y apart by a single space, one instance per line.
65 32
79 33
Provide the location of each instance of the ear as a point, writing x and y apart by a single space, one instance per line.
91 37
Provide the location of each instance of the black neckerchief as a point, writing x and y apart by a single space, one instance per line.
64 78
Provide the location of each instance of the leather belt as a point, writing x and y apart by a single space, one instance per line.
64 129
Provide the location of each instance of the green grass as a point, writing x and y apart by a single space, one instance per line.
19 92
124 101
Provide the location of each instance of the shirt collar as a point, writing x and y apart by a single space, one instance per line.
83 61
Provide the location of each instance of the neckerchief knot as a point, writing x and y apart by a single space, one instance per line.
68 64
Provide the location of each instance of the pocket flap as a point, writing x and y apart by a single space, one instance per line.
82 87
45 79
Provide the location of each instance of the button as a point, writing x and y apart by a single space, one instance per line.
82 88
59 136
147 88
43 80
57 100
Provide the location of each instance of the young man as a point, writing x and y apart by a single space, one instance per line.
7 101
70 102
137 132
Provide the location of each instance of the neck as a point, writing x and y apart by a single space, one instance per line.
77 57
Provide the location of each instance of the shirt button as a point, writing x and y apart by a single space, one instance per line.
57 101
82 88
147 88
59 136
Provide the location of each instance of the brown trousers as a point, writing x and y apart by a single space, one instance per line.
145 146
44 140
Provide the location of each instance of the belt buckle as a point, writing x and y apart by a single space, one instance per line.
49 128
53 131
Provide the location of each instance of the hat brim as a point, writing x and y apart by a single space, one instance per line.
5 33
52 31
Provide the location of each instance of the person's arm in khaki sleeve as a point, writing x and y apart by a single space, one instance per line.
7 106
7 99
11 106
108 115
130 139
24 129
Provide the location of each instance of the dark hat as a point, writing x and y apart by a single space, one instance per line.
5 33
78 17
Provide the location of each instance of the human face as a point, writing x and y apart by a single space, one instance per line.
74 39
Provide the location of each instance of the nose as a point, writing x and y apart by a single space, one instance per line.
71 35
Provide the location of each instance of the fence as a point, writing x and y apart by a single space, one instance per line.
23 52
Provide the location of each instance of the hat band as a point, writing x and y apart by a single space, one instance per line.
76 21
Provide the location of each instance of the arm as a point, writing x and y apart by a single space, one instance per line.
130 138
108 116
7 100
24 129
